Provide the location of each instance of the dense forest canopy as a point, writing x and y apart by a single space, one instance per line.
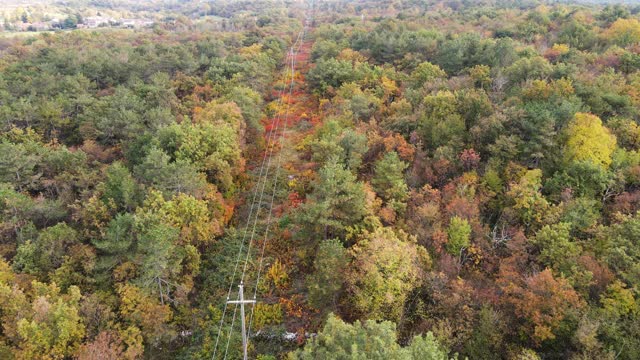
396 180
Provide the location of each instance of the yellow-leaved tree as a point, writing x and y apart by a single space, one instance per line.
589 140
624 32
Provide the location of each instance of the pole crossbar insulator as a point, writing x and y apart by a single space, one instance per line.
242 302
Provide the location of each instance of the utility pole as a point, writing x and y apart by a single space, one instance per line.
242 301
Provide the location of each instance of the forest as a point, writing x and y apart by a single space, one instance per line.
436 179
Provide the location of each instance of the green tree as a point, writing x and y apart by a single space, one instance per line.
333 141
336 203
120 187
459 53
424 73
158 260
528 69
71 22
327 278
369 340
388 179
213 144
325 49
577 35
250 103
118 117
330 74
583 214
19 164
557 249
611 13
529 205
440 123
384 271
620 245
47 252
158 170
118 244
459 235
488 335
362 104
585 179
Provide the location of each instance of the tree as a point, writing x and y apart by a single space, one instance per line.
333 140
621 247
388 179
528 69
77 268
459 53
325 49
47 252
106 346
354 146
487 338
118 244
582 214
336 203
369 340
118 117
529 205
362 105
481 76
71 22
557 250
170 177
543 302
330 74
424 73
193 217
384 271
213 144
588 140
624 32
577 35
389 41
619 301
146 315
473 104
327 278
611 13
41 323
441 124
159 260
165 266
618 320
19 164
250 103
459 234
584 179
120 187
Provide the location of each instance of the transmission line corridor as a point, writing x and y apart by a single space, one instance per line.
263 202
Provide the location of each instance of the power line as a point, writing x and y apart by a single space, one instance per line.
270 136
275 184
266 159
293 53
